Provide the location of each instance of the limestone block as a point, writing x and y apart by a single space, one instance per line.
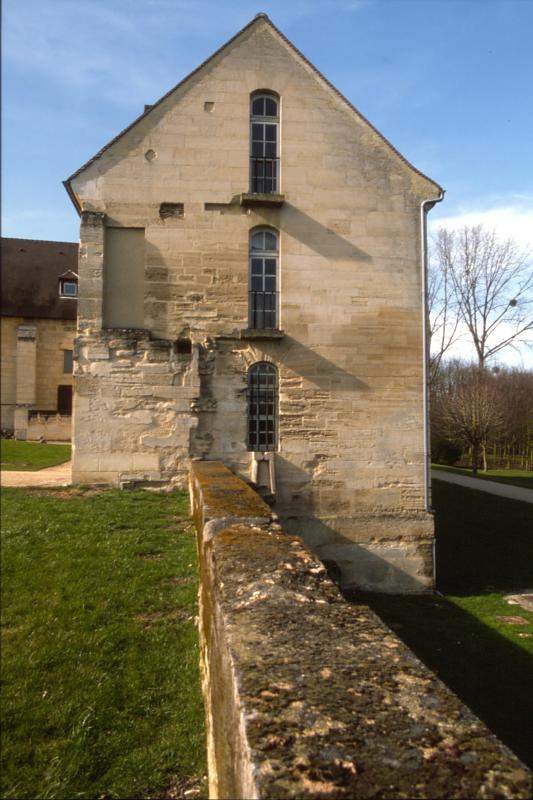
145 461
20 422
395 567
115 462
87 462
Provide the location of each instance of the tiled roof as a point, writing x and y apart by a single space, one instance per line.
30 274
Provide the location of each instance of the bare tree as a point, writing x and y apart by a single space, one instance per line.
443 319
492 283
515 440
466 408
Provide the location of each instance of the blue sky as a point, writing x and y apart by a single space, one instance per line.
449 82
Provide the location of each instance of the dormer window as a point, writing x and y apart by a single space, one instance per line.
68 287
264 143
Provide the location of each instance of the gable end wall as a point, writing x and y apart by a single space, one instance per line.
350 463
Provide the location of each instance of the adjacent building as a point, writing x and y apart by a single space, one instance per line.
251 271
38 326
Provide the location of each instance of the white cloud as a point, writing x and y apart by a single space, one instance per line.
513 218
510 217
132 50
516 356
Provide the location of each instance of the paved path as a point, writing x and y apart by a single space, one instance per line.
61 475
492 487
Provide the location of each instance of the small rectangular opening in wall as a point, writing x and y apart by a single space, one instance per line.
171 211
64 400
67 362
184 346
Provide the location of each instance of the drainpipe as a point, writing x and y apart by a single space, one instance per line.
425 206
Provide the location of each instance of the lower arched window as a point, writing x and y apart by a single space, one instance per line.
262 406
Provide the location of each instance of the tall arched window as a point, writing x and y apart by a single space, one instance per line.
264 143
263 294
262 406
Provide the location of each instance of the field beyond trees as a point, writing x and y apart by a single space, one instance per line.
101 695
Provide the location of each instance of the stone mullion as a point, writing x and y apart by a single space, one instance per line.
25 377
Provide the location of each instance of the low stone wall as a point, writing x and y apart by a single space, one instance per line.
56 428
309 696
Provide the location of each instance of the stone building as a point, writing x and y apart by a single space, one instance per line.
252 261
39 302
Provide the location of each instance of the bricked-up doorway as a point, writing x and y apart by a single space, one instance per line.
64 400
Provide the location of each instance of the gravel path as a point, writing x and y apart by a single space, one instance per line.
61 475
492 487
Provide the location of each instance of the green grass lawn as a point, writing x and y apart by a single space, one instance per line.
487 663
101 694
515 477
483 542
31 456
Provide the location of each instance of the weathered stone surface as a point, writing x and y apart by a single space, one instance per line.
309 696
32 358
133 396
350 360
220 498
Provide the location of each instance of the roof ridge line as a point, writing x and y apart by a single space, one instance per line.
66 182
45 241
351 105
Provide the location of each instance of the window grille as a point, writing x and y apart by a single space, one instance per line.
262 407
264 144
263 294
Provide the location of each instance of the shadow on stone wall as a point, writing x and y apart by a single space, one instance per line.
359 565
378 556
323 240
313 367
307 364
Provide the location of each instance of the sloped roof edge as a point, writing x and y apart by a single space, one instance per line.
256 19
30 272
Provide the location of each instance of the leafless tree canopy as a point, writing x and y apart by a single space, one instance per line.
482 284
443 319
466 407
480 415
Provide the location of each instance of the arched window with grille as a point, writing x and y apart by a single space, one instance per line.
262 407
264 143
263 293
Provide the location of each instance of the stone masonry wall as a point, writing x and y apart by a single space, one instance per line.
55 428
39 361
308 696
132 408
8 383
53 338
350 458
